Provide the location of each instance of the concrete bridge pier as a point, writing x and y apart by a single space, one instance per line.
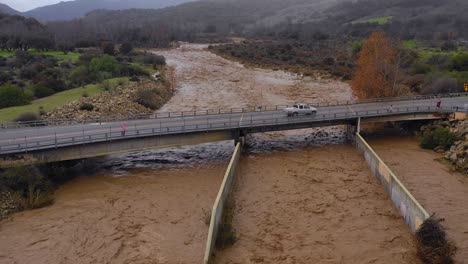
351 130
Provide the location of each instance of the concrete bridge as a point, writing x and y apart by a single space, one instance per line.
21 145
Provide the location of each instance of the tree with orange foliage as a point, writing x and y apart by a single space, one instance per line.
377 69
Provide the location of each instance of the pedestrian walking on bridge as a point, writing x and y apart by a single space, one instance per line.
124 129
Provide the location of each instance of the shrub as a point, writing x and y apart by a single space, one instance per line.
441 85
80 76
420 68
102 64
30 183
87 107
149 98
28 72
27 117
433 245
460 62
440 61
357 46
108 48
126 48
11 95
441 137
133 70
41 91
153 59
106 85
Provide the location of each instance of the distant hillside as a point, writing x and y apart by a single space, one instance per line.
78 8
305 20
5 9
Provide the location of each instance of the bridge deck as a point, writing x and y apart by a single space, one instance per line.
27 140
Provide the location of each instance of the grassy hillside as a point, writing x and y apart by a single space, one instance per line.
73 56
54 101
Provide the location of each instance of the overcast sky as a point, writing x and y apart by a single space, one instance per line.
25 5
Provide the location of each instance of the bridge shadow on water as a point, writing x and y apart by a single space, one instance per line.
222 151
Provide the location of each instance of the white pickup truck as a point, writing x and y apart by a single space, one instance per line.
300 109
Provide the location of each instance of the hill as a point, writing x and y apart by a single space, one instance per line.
5 9
78 8
293 19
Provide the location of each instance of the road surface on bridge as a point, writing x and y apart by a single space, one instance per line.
12 140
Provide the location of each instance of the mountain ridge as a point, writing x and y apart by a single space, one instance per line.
5 9
76 9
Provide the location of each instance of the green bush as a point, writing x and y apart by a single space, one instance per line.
357 46
126 48
150 98
441 137
27 117
11 95
104 63
80 76
86 107
420 68
30 183
41 91
460 62
153 59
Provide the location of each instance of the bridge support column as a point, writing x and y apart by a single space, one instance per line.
358 129
350 132
240 140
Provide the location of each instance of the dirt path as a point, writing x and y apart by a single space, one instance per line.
317 205
437 188
148 216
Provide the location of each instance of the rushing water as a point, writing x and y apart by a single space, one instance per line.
156 211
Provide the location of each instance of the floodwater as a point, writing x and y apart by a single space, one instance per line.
147 216
315 205
151 207
433 184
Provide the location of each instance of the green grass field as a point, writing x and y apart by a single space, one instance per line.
375 20
73 56
54 101
411 44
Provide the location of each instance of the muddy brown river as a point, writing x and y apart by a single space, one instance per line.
436 187
298 201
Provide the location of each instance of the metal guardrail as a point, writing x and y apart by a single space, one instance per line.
165 115
27 145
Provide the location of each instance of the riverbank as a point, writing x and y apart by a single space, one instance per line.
433 183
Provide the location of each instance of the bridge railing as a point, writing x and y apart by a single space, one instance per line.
24 145
196 113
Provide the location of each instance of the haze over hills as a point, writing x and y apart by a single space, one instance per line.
78 8
5 9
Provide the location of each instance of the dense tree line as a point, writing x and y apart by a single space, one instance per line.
19 33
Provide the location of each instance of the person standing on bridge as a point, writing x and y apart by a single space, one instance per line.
439 102
124 129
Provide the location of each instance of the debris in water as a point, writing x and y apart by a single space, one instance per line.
433 246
